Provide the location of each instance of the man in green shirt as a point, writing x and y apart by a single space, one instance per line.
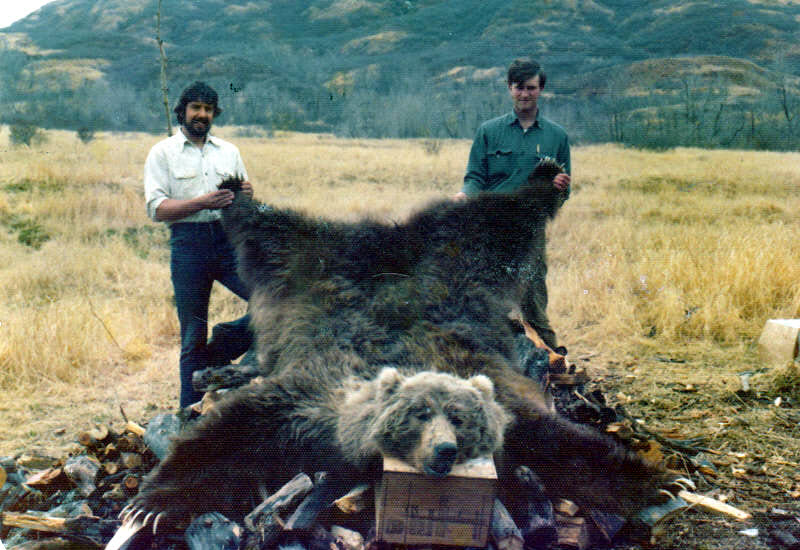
505 150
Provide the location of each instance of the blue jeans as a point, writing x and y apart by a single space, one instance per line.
201 254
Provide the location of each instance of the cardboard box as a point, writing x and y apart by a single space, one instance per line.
412 508
778 341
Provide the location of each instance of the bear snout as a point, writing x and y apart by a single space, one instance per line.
438 450
444 456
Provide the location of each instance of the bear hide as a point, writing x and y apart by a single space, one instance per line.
336 306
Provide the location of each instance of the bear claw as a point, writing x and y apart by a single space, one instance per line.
131 510
136 513
685 483
126 532
155 522
668 494
675 486
130 513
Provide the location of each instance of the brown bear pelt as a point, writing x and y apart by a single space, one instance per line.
333 305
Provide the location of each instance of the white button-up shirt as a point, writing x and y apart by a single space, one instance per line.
177 169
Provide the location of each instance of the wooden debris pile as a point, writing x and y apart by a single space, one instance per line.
59 503
75 500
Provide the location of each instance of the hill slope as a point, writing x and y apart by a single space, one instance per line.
288 64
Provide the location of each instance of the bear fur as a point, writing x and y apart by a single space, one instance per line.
259 438
390 338
431 420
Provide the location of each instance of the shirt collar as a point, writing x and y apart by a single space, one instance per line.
514 119
184 141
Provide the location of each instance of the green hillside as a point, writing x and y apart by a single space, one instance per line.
404 68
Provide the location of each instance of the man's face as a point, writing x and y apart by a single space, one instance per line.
525 95
199 116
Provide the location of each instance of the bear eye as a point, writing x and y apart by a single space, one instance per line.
457 416
423 414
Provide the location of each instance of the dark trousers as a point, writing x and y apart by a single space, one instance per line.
201 254
534 301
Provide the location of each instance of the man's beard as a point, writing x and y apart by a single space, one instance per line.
197 131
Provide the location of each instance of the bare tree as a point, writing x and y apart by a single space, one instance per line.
164 88
616 106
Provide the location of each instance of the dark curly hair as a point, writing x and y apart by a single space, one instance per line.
523 69
199 91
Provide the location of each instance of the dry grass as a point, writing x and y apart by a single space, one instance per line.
664 268
677 247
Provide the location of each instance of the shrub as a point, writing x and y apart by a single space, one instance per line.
29 232
23 134
432 146
85 134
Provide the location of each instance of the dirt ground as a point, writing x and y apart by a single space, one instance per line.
47 423
749 443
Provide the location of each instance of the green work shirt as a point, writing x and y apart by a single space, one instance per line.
503 154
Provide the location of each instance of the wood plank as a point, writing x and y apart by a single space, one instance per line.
713 505
503 531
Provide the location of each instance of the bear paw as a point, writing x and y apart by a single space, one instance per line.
134 516
674 485
234 183
670 503
134 520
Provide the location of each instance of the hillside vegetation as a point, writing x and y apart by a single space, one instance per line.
649 74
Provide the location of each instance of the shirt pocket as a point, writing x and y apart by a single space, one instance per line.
187 181
186 173
500 164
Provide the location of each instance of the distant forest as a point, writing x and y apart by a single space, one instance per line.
405 105
282 66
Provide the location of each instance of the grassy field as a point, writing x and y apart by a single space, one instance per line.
664 268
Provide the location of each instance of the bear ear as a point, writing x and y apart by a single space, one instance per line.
389 379
484 385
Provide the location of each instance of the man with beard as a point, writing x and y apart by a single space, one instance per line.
181 175
505 150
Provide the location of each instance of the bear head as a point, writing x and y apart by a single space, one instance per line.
431 420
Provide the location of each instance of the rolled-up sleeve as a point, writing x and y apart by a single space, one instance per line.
156 181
